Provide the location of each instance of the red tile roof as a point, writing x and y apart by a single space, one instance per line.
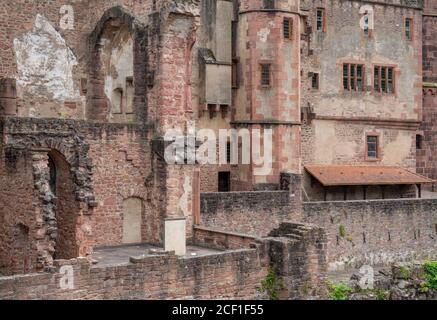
347 175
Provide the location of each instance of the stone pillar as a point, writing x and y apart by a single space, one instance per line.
174 235
8 97
45 216
292 182
196 197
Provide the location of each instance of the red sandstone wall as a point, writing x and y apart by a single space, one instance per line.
18 250
376 232
121 163
230 275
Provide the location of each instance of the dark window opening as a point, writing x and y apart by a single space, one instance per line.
269 4
419 141
320 20
288 28
408 28
224 181
372 147
234 74
228 152
353 77
383 80
366 24
315 81
265 75
52 177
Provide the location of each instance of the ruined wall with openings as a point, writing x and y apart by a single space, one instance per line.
98 167
297 253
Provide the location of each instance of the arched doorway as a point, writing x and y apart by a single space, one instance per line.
117 45
66 206
132 220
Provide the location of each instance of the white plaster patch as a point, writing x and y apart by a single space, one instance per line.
263 34
45 61
183 201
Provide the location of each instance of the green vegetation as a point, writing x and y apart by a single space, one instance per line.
405 272
431 274
342 231
339 291
271 285
381 294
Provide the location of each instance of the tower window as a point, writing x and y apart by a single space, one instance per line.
408 29
288 28
419 142
315 81
372 147
228 152
366 24
320 20
265 75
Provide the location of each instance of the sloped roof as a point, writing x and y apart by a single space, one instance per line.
347 175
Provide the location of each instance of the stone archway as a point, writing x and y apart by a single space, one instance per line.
118 66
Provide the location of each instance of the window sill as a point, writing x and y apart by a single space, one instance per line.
373 159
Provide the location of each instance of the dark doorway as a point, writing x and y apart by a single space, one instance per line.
224 181
66 206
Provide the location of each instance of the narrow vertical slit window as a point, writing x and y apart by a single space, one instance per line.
288 28
366 25
372 147
315 81
320 20
360 85
346 77
408 29
265 75
376 80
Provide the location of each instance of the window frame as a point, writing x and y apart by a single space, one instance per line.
323 20
378 146
383 79
315 75
411 27
353 79
262 73
290 28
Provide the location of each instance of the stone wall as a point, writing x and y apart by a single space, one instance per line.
295 252
98 166
426 161
235 274
376 232
254 213
220 239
